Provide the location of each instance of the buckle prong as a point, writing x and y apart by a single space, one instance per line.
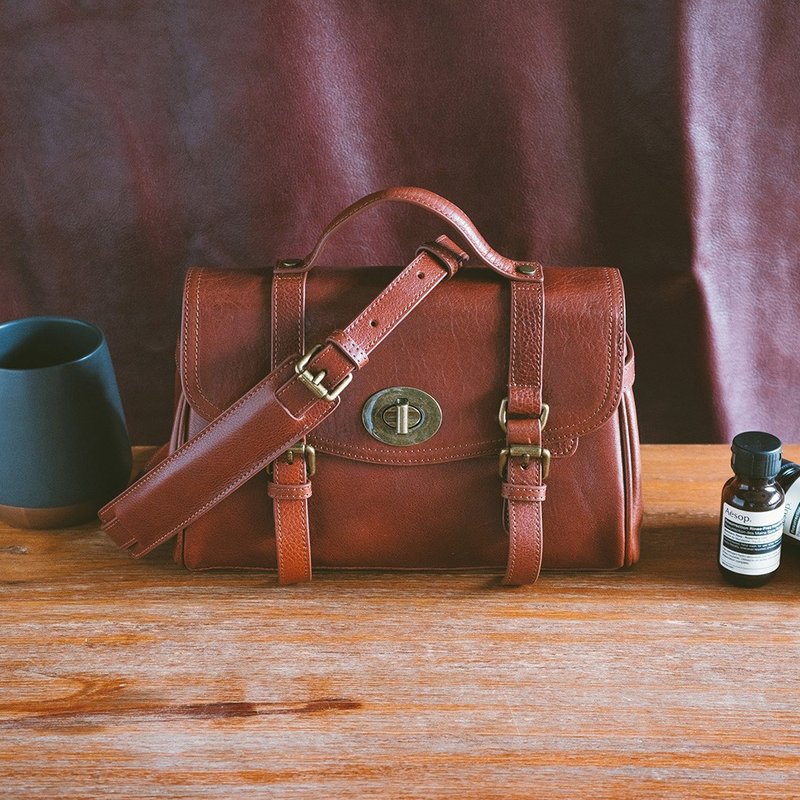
308 452
526 452
303 450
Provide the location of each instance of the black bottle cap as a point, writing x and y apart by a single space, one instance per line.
756 454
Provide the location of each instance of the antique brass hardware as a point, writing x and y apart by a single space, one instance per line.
401 415
526 452
502 416
305 451
308 452
314 382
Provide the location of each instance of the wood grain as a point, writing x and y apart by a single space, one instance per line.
142 680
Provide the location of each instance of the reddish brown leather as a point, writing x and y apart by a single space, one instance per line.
252 432
522 487
436 505
445 210
289 487
466 338
290 493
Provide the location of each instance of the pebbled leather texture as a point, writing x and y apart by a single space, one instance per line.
289 486
554 335
456 347
439 504
259 426
523 487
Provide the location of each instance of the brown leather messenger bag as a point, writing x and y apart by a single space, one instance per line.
440 453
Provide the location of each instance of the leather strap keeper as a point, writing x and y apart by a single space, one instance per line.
524 494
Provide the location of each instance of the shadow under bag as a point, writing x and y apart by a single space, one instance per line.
485 423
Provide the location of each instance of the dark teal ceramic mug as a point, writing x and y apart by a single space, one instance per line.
64 448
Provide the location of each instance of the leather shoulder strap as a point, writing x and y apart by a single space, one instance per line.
275 414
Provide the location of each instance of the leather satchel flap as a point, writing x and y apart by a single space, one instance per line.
454 347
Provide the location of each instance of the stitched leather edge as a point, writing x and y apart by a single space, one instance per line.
555 436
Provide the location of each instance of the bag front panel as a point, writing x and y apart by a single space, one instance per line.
436 504
433 516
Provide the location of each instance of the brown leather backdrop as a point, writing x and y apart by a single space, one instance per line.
137 139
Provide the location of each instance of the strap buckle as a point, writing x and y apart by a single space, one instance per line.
308 452
313 381
304 450
526 452
502 416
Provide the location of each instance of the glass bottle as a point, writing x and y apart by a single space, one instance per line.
787 478
751 516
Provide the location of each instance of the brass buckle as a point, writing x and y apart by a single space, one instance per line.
314 382
307 451
525 452
502 416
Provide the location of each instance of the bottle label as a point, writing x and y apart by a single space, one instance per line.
791 522
751 540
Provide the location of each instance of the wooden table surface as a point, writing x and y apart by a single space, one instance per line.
137 679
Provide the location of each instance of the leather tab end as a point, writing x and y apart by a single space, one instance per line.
116 532
293 578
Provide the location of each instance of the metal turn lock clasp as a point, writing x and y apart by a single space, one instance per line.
401 416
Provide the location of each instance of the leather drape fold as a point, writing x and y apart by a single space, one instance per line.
137 139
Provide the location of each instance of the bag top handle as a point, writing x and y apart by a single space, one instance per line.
444 209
